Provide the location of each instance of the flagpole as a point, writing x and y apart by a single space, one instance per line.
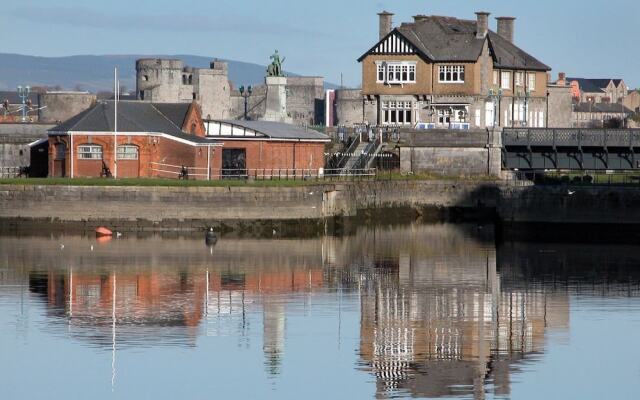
115 124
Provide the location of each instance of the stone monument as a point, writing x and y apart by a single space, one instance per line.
276 101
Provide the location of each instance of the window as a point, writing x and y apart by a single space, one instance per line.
145 78
89 152
505 81
397 112
519 79
496 77
380 72
532 82
451 74
396 72
127 152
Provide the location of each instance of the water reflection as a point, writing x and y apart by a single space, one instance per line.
441 311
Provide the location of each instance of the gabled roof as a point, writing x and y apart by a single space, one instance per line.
133 117
278 130
444 39
176 112
594 85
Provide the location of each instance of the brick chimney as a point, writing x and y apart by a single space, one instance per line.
483 24
506 28
419 18
562 78
385 23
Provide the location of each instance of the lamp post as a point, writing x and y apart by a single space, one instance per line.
245 95
23 93
527 94
496 98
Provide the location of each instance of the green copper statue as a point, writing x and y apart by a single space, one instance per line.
275 68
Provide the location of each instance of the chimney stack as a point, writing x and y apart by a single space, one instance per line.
506 28
483 24
385 23
419 18
562 78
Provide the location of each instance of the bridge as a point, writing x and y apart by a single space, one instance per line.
570 149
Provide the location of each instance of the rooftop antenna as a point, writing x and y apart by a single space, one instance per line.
24 92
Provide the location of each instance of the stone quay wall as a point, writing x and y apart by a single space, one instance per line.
236 208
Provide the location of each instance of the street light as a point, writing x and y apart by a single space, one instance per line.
245 95
23 93
496 98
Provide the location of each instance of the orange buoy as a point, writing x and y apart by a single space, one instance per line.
102 231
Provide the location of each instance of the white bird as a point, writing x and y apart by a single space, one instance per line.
570 192
118 234
274 231
311 193
91 247
61 246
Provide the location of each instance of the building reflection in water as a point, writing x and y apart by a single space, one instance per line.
442 312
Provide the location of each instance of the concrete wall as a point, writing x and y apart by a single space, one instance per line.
560 106
60 106
14 142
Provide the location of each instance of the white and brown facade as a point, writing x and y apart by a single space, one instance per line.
443 72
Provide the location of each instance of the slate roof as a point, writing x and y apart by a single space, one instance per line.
15 99
133 116
176 112
594 85
442 39
609 108
278 130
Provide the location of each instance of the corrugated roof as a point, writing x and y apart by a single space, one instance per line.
278 130
442 39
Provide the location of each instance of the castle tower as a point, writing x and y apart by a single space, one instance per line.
159 80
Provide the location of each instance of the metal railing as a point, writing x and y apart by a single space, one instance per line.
571 137
574 178
349 152
188 172
14 172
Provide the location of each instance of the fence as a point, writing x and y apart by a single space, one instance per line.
188 172
574 178
14 172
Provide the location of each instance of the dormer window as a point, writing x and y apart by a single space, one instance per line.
451 74
396 72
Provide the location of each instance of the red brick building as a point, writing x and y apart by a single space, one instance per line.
162 140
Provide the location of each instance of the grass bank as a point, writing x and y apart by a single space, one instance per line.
394 176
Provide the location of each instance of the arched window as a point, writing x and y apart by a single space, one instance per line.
128 152
190 79
89 152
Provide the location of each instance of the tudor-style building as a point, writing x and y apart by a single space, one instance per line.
444 72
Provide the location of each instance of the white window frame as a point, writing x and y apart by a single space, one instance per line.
124 155
496 77
398 112
451 74
89 152
519 78
505 80
396 72
531 81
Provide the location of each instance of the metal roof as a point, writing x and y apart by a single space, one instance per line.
279 130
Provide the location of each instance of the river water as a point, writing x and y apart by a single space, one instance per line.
416 311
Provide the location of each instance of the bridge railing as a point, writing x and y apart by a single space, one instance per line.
570 137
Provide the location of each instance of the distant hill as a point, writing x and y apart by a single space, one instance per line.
95 73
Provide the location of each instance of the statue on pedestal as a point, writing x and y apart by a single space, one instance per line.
275 68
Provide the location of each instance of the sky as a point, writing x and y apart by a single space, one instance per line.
584 38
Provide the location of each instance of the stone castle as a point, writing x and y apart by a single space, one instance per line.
170 81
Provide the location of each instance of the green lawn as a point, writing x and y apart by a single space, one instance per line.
383 176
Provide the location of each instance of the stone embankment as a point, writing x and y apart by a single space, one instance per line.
312 208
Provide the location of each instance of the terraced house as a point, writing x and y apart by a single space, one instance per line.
445 72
